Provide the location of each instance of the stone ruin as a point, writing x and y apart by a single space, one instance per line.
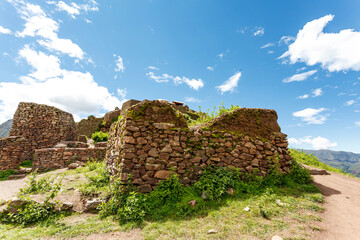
153 141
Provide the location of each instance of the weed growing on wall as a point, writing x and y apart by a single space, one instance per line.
207 116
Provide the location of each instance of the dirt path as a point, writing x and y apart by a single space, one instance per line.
341 219
10 188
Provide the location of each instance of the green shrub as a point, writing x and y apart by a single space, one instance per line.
100 136
215 181
4 175
27 163
29 214
36 186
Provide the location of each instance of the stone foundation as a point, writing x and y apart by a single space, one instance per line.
153 141
13 151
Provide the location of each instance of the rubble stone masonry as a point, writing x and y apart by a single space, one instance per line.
153 141
12 152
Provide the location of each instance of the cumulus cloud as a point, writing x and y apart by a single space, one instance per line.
152 68
37 24
210 68
72 91
300 76
4 30
195 84
311 115
303 96
286 40
230 84
316 143
122 93
317 92
75 9
350 102
259 31
333 51
119 64
192 100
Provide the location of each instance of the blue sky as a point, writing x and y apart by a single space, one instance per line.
301 58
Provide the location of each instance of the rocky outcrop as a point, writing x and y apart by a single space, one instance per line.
152 141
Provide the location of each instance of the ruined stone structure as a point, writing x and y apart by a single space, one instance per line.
34 127
65 153
88 126
12 152
153 140
43 126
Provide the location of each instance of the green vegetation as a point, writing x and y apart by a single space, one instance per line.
98 179
207 116
4 175
100 136
287 204
26 164
41 185
311 160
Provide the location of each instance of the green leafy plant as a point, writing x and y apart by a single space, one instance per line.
4 175
98 178
27 163
41 185
100 136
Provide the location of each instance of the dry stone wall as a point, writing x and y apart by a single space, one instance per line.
12 152
43 126
60 157
153 141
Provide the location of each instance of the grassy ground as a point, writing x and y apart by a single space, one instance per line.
311 160
288 211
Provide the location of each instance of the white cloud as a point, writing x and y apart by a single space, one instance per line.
210 68
230 84
350 102
316 143
357 124
270 52
119 64
44 66
311 115
286 40
333 51
37 24
267 45
303 96
195 84
221 55
72 91
122 93
192 100
152 68
300 76
4 30
75 9
300 69
317 92
259 31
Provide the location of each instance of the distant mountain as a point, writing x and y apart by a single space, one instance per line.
5 128
347 161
